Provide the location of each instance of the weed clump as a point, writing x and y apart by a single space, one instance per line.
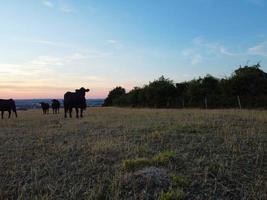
179 181
133 164
176 194
147 183
164 158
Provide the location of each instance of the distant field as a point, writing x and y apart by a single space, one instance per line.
206 154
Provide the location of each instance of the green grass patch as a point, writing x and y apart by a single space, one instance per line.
176 194
164 158
179 181
133 164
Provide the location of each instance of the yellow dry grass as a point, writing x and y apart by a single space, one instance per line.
222 153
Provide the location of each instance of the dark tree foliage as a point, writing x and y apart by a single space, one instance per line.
247 86
114 96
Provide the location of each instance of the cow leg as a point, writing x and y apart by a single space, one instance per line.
70 110
77 112
2 114
65 111
81 112
16 113
9 113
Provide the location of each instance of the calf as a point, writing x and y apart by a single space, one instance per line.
75 100
55 106
45 107
7 105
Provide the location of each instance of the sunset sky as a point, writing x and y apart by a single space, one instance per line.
48 47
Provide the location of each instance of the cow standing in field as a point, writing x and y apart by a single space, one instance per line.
75 100
55 106
45 107
7 105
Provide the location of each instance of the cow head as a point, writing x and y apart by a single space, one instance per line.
82 91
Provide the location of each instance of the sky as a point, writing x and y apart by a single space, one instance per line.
48 47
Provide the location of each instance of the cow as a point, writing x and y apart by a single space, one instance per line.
45 107
75 100
7 105
55 106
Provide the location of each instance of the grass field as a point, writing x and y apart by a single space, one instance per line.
203 154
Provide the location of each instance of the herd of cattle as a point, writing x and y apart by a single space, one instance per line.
72 100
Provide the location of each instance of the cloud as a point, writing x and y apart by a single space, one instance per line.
67 9
60 5
212 47
192 54
201 50
115 43
112 41
257 2
47 61
74 58
45 42
48 3
259 50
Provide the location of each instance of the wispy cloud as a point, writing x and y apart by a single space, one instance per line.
47 61
257 2
74 58
115 43
201 50
60 5
48 3
212 47
192 54
112 41
259 50
45 42
67 9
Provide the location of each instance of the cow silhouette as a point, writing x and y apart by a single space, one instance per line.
7 105
75 100
45 107
55 106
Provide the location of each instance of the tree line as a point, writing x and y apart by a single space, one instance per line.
245 88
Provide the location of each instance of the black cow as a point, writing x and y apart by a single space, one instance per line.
8 105
45 107
55 106
75 100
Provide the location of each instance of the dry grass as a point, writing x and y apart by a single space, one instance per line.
220 153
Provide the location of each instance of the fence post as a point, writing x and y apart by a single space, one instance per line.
206 102
239 102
